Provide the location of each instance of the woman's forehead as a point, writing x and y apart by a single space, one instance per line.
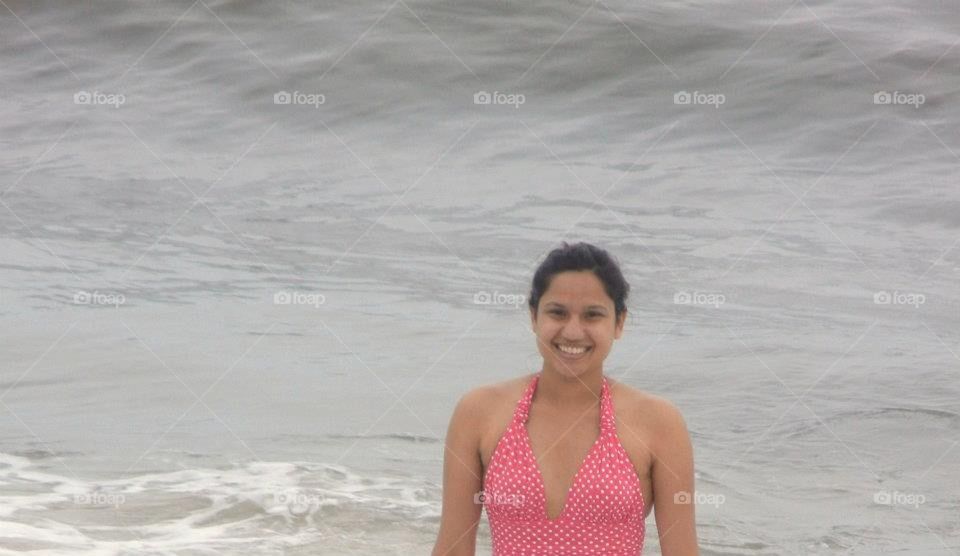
576 288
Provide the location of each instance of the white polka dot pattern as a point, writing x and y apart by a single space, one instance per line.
603 513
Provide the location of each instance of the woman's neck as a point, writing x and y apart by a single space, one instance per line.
559 389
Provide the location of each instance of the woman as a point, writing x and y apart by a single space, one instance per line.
566 460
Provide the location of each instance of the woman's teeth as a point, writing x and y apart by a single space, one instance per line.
571 350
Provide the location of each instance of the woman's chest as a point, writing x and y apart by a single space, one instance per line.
561 468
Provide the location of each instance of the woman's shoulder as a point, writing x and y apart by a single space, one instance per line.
484 409
485 397
641 406
650 423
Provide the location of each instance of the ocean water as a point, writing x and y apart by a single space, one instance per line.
243 244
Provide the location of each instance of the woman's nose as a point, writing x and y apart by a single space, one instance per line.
573 329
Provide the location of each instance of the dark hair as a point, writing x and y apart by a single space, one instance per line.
582 256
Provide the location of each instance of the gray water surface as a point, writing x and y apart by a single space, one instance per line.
233 325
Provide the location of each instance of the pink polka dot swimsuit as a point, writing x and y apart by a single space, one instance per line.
603 512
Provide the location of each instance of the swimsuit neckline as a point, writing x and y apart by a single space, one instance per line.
524 415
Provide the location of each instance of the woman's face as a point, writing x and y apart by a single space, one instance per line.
575 312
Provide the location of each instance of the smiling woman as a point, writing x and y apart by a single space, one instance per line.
567 460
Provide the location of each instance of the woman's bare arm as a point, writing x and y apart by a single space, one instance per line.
462 480
673 485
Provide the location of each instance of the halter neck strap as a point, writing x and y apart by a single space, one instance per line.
522 412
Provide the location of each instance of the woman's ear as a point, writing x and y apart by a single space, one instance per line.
621 320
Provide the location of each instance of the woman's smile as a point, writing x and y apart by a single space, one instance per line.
572 352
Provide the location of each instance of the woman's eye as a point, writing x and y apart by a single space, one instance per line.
589 315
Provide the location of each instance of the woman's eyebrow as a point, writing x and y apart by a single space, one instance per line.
601 307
